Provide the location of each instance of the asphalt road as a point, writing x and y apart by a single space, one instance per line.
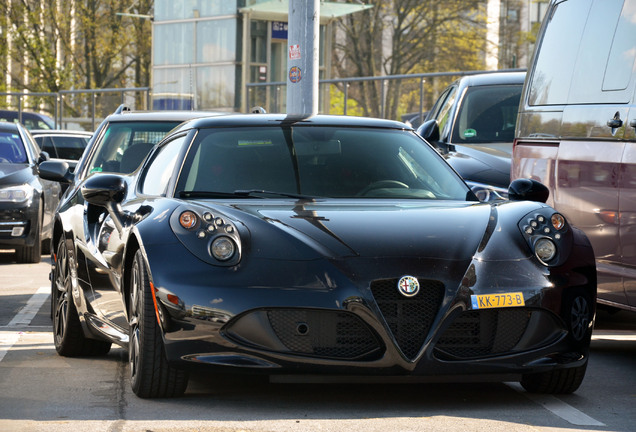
41 391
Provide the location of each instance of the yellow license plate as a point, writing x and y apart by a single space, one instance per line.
487 301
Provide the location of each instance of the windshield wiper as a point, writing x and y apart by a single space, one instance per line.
241 194
252 192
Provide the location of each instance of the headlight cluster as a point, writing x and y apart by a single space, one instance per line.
210 236
547 234
16 194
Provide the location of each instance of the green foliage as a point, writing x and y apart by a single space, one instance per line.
337 103
80 44
398 37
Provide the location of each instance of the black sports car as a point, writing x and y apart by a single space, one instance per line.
326 245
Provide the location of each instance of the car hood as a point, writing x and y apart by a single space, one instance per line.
441 230
11 174
481 163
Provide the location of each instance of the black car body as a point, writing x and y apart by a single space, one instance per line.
27 203
472 124
328 245
67 145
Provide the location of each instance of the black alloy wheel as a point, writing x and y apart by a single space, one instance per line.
150 374
579 317
68 336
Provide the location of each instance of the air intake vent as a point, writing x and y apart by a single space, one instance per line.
490 332
409 318
329 334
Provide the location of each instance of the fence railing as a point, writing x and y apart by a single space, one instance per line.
390 96
77 109
417 94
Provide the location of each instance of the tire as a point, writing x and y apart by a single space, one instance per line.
30 254
68 335
561 381
150 374
46 246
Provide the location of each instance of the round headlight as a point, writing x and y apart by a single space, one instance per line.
223 248
188 219
545 249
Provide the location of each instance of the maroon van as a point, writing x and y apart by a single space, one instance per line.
576 131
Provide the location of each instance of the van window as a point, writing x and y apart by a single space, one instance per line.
574 67
555 63
621 57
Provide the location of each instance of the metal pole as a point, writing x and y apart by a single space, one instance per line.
93 109
302 59
422 100
382 97
346 97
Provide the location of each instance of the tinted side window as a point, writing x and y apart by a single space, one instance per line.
443 110
46 144
586 55
557 56
621 59
69 147
161 167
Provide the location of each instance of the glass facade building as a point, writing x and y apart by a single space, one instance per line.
204 52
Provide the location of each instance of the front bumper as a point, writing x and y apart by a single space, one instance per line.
17 222
307 318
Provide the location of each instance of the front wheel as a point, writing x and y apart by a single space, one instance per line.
67 331
150 374
561 381
31 254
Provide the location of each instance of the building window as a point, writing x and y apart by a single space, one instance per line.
174 10
174 44
216 41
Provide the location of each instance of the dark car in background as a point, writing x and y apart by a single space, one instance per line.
472 124
27 203
577 131
325 245
67 145
125 137
30 120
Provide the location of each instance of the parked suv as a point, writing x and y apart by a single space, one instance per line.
472 125
575 131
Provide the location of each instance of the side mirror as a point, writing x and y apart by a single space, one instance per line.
108 191
57 171
429 130
528 190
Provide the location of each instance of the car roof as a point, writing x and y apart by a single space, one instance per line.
238 120
492 79
8 126
63 132
180 116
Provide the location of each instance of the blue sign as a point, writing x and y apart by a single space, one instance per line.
279 30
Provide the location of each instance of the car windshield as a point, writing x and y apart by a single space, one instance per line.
126 144
309 161
12 149
63 147
487 114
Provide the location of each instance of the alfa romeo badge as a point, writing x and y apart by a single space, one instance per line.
408 286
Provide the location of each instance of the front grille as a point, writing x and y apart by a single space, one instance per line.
483 333
408 318
330 334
